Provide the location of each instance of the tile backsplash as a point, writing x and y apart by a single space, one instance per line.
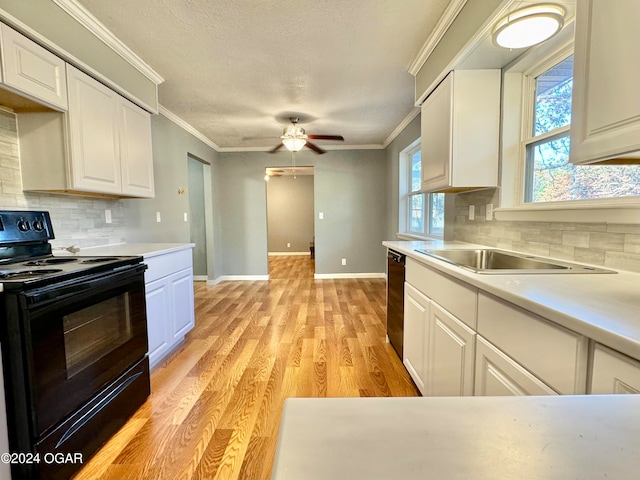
77 220
605 244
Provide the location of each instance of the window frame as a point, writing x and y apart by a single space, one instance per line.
517 132
405 195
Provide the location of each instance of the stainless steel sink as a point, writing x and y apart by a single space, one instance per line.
494 261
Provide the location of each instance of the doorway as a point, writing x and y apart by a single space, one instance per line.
290 222
199 191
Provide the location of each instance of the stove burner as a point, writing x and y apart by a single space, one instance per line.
28 273
49 261
99 260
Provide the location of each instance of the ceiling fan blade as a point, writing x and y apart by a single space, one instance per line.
276 148
314 147
326 137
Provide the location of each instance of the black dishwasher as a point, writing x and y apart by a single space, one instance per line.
395 299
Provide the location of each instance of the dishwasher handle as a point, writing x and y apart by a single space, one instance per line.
396 257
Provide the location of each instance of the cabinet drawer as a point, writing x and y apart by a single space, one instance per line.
499 375
614 372
163 265
455 296
556 355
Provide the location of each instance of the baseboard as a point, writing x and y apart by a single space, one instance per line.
200 278
237 278
284 254
326 276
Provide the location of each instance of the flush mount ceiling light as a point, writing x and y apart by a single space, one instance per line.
529 26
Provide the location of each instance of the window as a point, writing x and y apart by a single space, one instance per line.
549 177
424 212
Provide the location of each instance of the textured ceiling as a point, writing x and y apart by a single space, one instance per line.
236 69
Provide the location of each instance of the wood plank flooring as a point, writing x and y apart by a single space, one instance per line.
215 404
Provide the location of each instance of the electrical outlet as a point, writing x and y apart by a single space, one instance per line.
107 216
288 245
472 212
489 209
344 261
158 217
321 216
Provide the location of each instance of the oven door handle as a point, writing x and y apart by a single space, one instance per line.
74 287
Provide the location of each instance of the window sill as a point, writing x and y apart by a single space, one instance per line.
626 211
413 236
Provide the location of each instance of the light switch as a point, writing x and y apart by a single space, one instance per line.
107 216
158 217
186 217
472 212
321 216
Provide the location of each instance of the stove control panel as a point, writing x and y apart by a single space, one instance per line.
24 226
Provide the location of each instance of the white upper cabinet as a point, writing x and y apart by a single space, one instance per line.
605 119
93 132
460 125
102 146
31 70
135 150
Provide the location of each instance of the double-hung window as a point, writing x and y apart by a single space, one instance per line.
549 177
424 213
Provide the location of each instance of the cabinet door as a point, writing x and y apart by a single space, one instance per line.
614 372
605 117
499 375
135 150
450 355
158 296
436 136
32 70
416 317
182 310
93 125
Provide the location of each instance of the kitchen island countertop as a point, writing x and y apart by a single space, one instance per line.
480 438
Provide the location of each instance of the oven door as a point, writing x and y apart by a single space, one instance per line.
81 336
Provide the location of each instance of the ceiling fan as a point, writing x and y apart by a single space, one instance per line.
294 138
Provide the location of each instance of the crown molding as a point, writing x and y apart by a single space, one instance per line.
324 147
91 23
187 127
449 15
403 124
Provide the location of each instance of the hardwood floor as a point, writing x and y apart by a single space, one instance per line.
215 405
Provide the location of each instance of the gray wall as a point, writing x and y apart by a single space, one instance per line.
290 216
349 189
392 153
197 216
172 147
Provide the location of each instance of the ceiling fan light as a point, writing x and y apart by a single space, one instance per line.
529 26
294 144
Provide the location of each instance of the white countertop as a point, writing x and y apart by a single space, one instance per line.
145 250
461 438
604 307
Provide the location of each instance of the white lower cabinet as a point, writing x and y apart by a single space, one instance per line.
499 375
416 317
450 348
614 372
170 303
